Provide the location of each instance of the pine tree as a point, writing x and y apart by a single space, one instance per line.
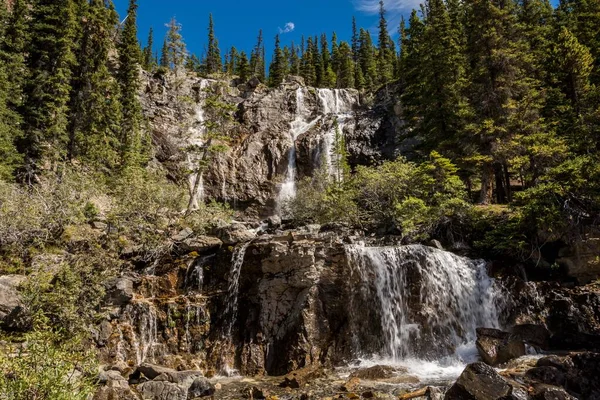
345 63
95 108
308 71
148 59
243 67
257 59
233 61
132 143
366 59
193 64
13 43
294 61
176 50
329 78
385 69
48 87
277 67
164 55
10 158
213 55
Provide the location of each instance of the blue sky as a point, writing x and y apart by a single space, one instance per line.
238 22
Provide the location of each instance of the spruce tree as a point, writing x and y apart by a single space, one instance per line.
233 61
277 67
308 71
243 67
366 59
345 63
213 55
385 68
176 50
164 55
257 59
148 59
131 141
47 90
294 61
95 108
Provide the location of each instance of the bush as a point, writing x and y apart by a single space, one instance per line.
44 368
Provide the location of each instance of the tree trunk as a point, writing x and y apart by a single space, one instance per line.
486 184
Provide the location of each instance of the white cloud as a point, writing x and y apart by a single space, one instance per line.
289 27
394 9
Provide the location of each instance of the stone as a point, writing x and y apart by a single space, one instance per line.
561 363
151 371
534 335
180 377
161 390
182 235
236 233
106 376
301 377
479 382
496 347
13 315
351 384
255 393
548 392
119 291
111 393
201 244
434 393
101 226
378 372
201 387
546 374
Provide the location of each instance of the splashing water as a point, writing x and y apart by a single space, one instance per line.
428 304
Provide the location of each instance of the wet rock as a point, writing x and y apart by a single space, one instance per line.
479 382
201 387
534 335
497 347
255 393
546 374
106 376
583 378
236 233
548 392
151 371
561 363
160 390
434 393
119 291
179 377
301 377
201 244
11 304
351 384
378 372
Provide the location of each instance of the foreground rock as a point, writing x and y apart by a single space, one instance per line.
497 347
12 313
479 382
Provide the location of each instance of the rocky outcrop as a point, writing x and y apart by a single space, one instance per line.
13 316
480 382
497 347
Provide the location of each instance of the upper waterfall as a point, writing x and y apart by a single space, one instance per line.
427 302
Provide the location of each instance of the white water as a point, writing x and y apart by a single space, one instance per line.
196 141
141 317
429 303
237 260
339 103
300 125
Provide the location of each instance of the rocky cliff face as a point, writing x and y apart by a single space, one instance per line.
290 129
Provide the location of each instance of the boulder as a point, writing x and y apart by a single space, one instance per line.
479 382
201 244
534 335
119 291
201 387
111 393
378 372
236 233
561 363
182 235
548 392
546 374
160 390
179 377
151 371
13 315
497 347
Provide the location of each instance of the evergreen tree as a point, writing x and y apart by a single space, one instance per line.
193 64
257 58
294 61
277 67
366 59
329 79
148 59
13 50
164 55
48 87
176 51
308 71
233 61
213 55
345 63
385 55
95 108
243 67
131 140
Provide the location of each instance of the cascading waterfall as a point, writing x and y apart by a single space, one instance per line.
428 303
233 286
196 140
339 103
142 317
299 126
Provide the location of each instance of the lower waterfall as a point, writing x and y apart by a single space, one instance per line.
419 306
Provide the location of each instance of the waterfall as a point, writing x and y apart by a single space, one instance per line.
426 302
233 286
299 126
339 104
141 317
196 141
